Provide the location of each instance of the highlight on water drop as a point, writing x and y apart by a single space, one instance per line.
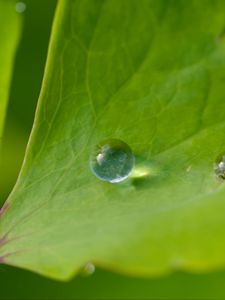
112 161
219 167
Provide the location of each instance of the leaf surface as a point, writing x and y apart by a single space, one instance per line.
150 73
10 28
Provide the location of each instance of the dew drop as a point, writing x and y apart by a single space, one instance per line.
20 7
219 167
112 160
89 269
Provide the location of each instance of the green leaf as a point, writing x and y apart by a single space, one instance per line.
150 73
10 28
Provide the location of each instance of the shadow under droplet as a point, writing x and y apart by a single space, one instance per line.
144 173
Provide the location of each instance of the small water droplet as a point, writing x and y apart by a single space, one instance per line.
20 7
88 269
112 161
219 167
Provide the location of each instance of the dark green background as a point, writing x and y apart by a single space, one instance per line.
18 284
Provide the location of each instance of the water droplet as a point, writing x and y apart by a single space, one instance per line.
88 269
219 167
112 161
20 7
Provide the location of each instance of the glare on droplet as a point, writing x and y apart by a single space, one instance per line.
219 167
20 7
112 160
100 158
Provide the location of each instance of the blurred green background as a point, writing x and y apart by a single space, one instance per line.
20 284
